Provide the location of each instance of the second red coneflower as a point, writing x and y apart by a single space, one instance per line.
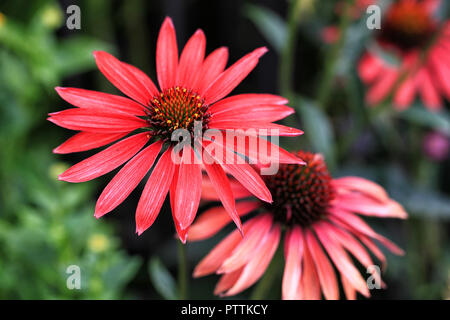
320 216
192 88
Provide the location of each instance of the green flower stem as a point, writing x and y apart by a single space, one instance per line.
288 51
265 284
182 272
332 56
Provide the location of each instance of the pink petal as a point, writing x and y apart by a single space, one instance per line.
122 77
150 89
370 67
293 266
106 160
120 187
208 192
428 90
191 60
382 86
244 252
155 192
232 76
100 101
167 55
341 259
363 186
324 268
405 93
309 288
227 281
214 219
215 258
96 121
259 263
84 141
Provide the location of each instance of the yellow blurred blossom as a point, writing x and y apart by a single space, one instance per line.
98 242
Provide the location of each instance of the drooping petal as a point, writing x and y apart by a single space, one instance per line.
182 233
309 288
259 263
96 121
363 186
428 90
167 55
106 160
293 266
325 270
218 254
191 60
84 141
222 186
246 175
382 86
120 187
227 281
232 76
189 189
100 101
370 67
155 192
245 250
214 219
341 260
208 192
122 77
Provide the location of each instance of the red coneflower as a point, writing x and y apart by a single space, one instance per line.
192 90
320 217
412 34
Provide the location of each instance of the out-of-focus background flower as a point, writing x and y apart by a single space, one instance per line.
47 225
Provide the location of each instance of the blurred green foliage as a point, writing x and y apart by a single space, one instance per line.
47 225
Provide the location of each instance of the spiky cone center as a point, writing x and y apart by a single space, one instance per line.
301 194
408 25
176 108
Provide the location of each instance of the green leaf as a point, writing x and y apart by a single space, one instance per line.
271 25
317 127
162 280
418 114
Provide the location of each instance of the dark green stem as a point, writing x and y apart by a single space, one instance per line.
332 56
182 272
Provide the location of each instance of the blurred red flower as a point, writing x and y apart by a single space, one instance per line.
411 34
192 88
317 212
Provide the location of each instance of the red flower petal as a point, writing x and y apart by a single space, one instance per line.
96 121
212 67
155 192
262 113
122 77
245 100
232 76
214 219
120 187
100 101
83 141
191 60
188 190
324 268
245 174
293 257
166 55
106 160
260 128
222 186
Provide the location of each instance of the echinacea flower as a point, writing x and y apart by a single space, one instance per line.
320 217
419 47
192 90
